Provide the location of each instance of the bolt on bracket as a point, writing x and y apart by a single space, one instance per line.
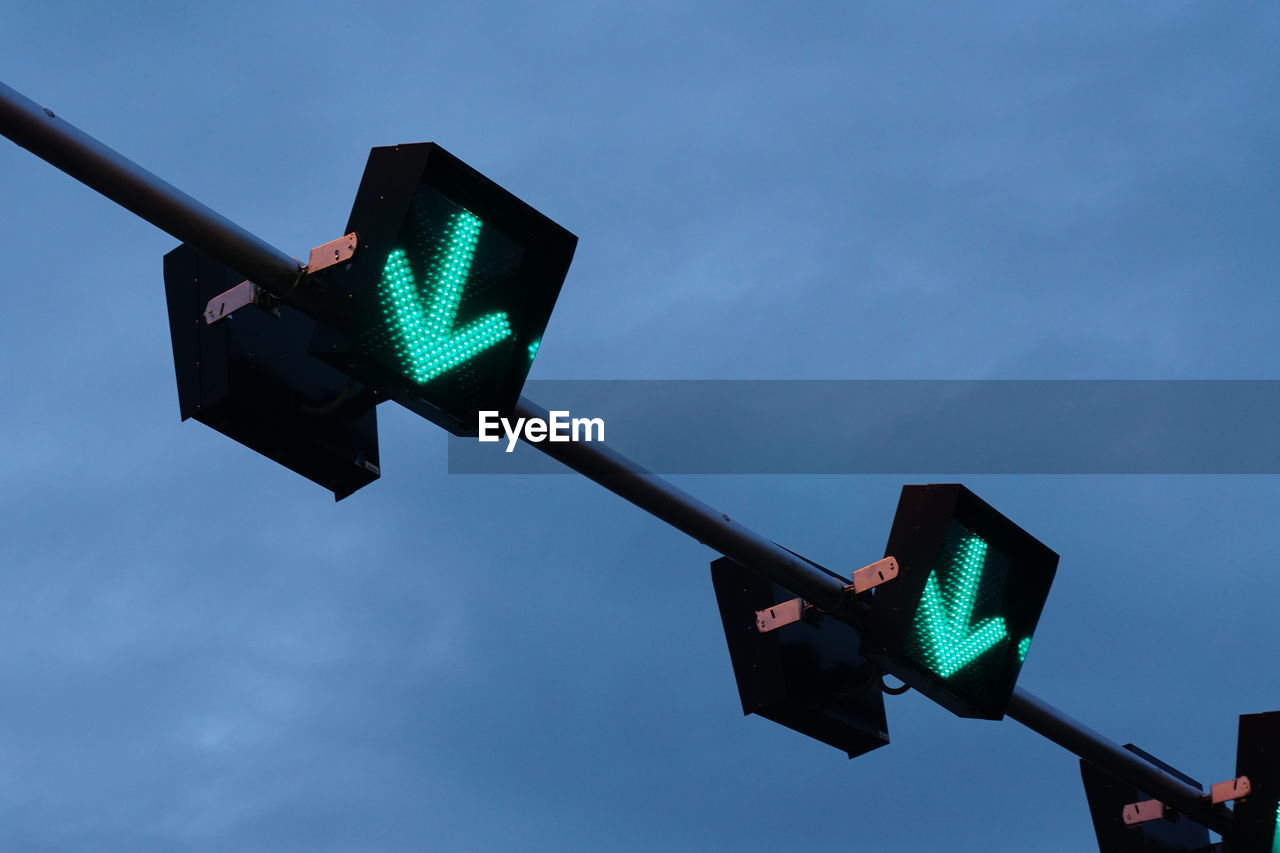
772 618
229 301
1147 810
1220 792
332 253
869 577
1232 789
247 293
865 578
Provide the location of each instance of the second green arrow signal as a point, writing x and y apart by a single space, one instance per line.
957 622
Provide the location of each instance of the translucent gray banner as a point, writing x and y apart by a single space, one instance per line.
912 427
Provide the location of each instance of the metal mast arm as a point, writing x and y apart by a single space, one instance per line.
129 185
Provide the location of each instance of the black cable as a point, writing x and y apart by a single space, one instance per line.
332 406
893 691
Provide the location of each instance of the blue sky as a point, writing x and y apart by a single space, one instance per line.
200 651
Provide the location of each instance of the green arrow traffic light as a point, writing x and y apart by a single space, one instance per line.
423 325
944 621
957 622
444 304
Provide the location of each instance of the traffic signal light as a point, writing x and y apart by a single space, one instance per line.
957 623
809 675
1107 798
249 376
1254 825
444 304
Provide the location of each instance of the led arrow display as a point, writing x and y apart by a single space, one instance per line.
948 638
957 622
427 342
444 303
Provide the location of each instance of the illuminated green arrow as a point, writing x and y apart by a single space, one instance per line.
423 327
949 640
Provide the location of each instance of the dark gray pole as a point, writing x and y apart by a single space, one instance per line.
681 510
129 185
684 512
1044 719
163 205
